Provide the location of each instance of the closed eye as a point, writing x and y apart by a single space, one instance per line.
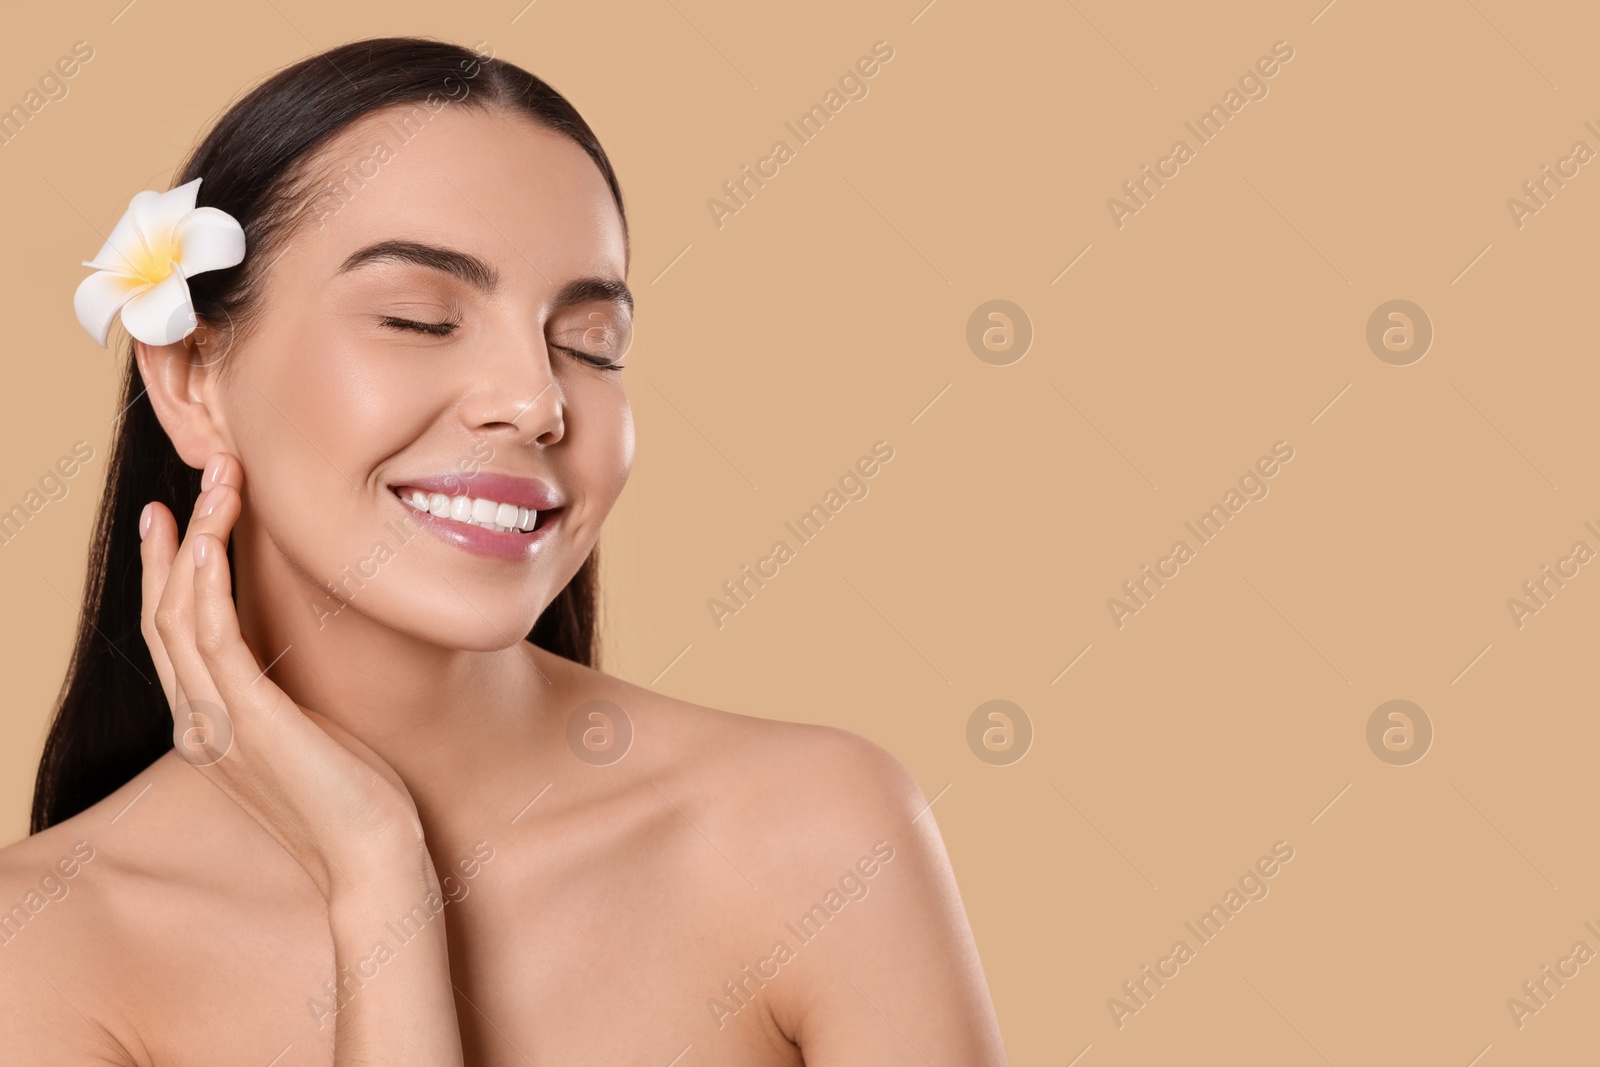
444 329
435 329
594 361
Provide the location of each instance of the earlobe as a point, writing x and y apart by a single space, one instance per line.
182 388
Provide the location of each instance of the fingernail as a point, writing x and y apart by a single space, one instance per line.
208 504
213 468
201 550
144 522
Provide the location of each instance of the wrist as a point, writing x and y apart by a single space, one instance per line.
392 912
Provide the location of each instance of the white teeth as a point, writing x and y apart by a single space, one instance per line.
474 511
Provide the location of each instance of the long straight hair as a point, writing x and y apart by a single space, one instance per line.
259 164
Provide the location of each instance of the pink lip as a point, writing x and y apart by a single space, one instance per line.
522 492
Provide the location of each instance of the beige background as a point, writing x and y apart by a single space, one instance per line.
1226 315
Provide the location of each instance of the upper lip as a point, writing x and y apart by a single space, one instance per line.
528 493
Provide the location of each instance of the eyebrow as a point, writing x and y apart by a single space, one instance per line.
467 267
479 274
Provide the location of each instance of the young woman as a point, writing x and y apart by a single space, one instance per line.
334 778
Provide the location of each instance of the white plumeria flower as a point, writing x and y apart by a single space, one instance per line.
161 241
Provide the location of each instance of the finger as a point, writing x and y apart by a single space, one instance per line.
223 468
233 667
214 514
263 715
243 693
157 545
215 510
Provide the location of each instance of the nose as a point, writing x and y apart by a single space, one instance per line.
516 396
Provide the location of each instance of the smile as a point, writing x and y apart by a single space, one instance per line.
472 511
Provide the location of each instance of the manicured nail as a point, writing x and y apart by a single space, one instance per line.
208 504
201 551
213 468
144 522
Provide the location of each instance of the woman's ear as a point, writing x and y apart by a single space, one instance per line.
182 380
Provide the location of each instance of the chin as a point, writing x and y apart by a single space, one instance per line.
484 626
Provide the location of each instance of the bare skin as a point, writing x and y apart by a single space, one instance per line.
404 754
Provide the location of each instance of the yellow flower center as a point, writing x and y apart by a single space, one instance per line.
157 259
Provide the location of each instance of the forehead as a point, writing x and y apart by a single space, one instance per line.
489 181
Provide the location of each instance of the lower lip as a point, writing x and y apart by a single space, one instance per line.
515 547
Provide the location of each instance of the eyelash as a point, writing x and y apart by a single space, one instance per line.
445 329
436 329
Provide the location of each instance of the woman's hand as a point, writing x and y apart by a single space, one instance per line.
335 807
328 799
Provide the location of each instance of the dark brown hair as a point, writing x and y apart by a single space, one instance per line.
258 164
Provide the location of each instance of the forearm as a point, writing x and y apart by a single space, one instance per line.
395 1001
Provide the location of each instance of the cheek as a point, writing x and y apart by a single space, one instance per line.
333 406
597 457
607 453
625 446
365 406
310 426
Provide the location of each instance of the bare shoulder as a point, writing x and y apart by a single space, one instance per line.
795 775
827 770
38 876
156 889
52 940
854 900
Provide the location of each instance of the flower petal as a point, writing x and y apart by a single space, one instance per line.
150 215
208 239
100 296
162 314
157 213
124 249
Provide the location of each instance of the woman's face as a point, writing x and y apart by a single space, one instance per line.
439 327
